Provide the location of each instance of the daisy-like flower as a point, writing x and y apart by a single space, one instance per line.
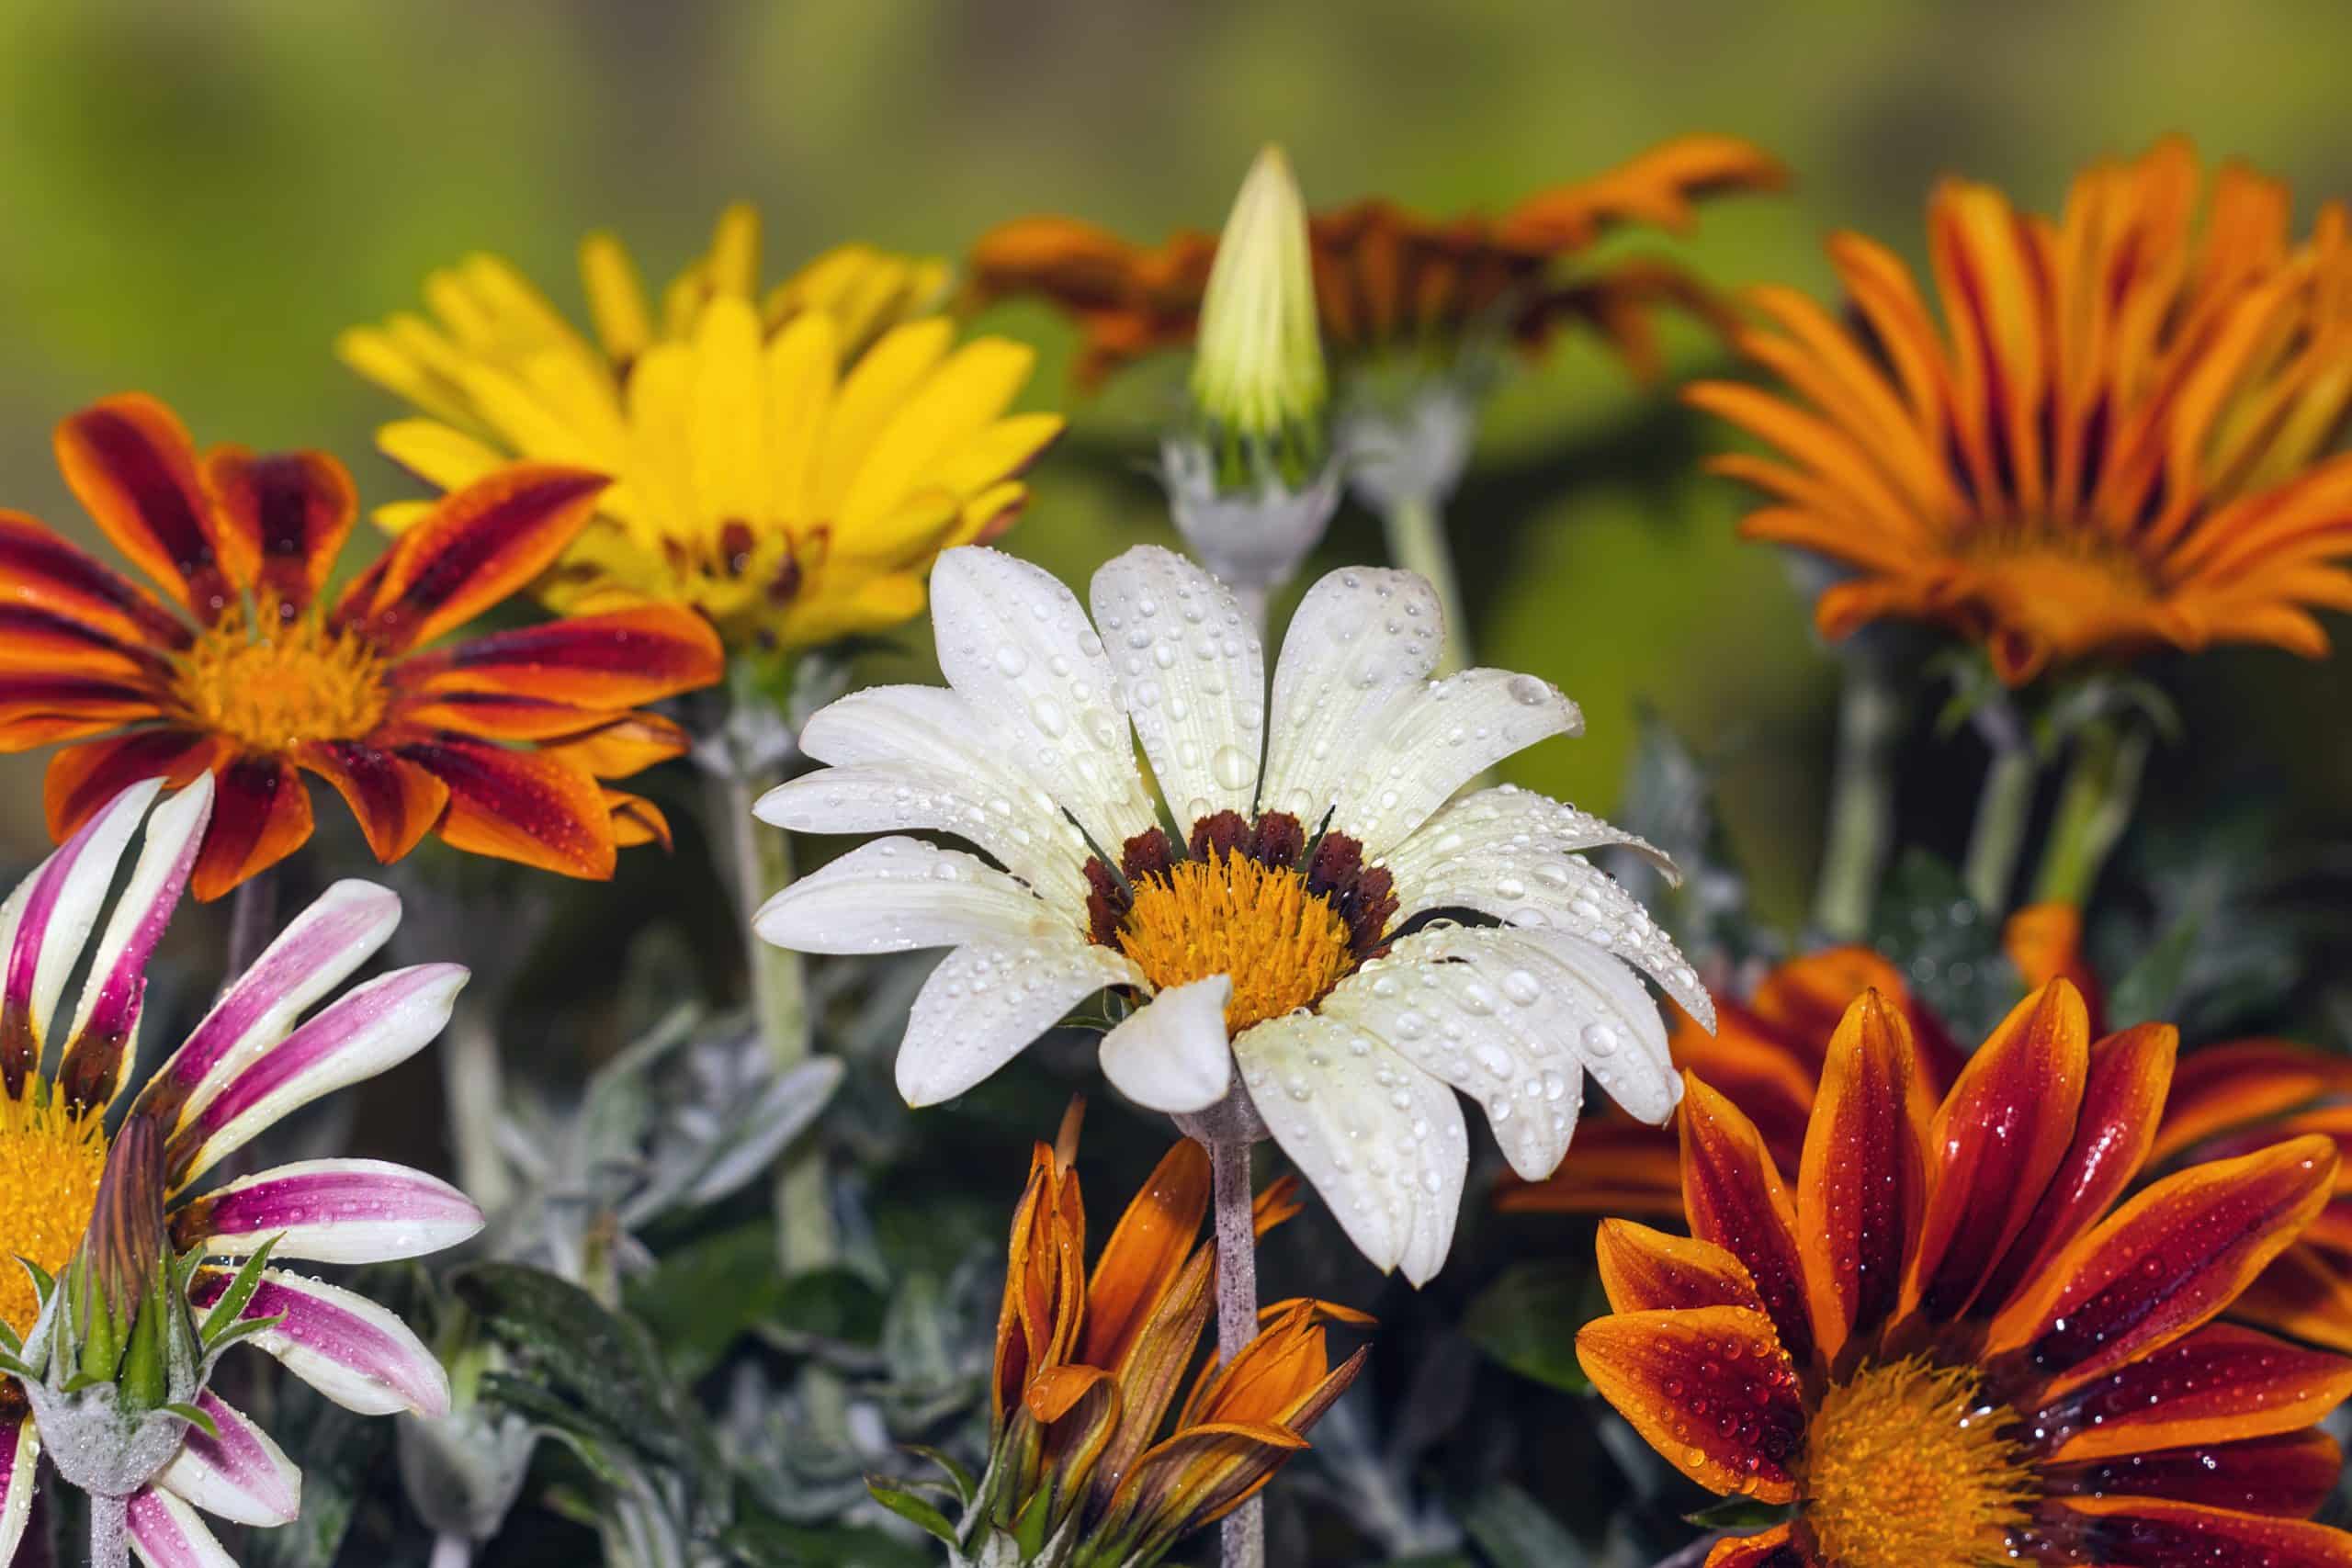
1280 925
1088 1367
497 744
1944 1348
2116 440
788 467
1389 280
246 1066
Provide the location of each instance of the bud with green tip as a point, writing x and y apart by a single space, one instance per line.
1257 374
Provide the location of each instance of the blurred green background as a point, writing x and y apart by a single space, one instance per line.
199 197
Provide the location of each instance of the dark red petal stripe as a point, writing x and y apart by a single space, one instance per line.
2289 1475
39 568
289 515
261 814
83 778
1861 1186
1733 1196
613 661
2222 1381
519 805
396 801
129 462
2148 1533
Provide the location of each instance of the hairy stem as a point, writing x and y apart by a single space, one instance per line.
1861 801
1417 542
1691 1555
452 1552
253 910
1243 1532
473 1089
109 1532
2095 807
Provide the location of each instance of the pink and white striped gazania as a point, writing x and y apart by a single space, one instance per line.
1271 931
248 1064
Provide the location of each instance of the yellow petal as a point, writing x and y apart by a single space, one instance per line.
524 421
906 536
996 453
584 396
990 513
399 516
374 354
802 361
876 604
616 297
733 267
447 458
962 399
727 420
450 296
884 378
663 471
520 313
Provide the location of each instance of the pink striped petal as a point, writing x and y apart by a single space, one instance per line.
166 1533
358 1035
241 1475
340 1343
19 1457
47 920
108 1017
334 936
332 1211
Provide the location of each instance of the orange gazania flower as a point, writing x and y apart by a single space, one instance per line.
2113 443
1388 278
1942 1347
1087 1367
497 743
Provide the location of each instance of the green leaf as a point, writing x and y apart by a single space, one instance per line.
197 1418
965 1486
762 1540
1528 1320
1738 1514
908 1506
831 1304
231 1305
2150 987
708 1293
1514 1532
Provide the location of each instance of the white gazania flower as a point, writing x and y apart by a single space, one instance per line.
1280 926
253 1060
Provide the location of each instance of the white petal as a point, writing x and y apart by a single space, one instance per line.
1194 676
333 1211
339 1342
166 1533
1516 855
1382 1140
986 1002
1171 1053
47 920
241 1476
1363 637
108 1016
19 1464
1014 642
1435 738
896 894
922 757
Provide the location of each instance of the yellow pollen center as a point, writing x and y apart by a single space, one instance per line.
288 681
49 1164
1905 1466
1284 946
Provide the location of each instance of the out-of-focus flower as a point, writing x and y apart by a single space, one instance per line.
789 468
1087 1368
1388 281
245 1066
2116 441
1266 929
497 744
1945 1346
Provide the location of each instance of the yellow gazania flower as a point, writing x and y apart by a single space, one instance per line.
790 466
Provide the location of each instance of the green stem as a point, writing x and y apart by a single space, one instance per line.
1861 801
2002 812
1417 542
473 1089
2094 809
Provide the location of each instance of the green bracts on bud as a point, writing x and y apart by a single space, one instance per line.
1258 371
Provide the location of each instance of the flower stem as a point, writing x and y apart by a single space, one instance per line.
2003 811
2094 809
451 1550
253 910
109 1531
473 1087
1417 542
1861 800
1694 1554
1243 1532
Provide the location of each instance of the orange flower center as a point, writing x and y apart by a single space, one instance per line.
1228 914
49 1164
1904 1464
271 683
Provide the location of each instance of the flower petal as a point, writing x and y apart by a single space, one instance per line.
129 462
83 778
1734 1198
342 1344
332 1211
1519 856
2219 1384
37 707
896 894
1362 638
19 1468
2153 1533
2000 1137
918 756
1615 1166
1709 1389
42 569
166 1533
2166 1261
1015 643
475 547
613 661
1435 738
986 1003
261 814
1194 675
107 1020
285 518
519 805
2305 1294
2289 1475
1172 1053
1380 1139
1147 1252
1647 1270
2220 1086
1774 1547
361 1033
395 801
240 1475
1861 1184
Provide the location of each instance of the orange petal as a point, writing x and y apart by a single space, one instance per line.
396 801
83 778
1757 1068
1646 1270
1860 1189
1735 1199
2220 1384
283 520
37 639
518 806
2288 1475
628 745
2045 942
1617 1165
1774 1547
261 814
1995 1143
2220 1086
2153 1533
40 569
613 661
1145 1252
2165 1262
637 820
2305 1292
37 707
129 462
1709 1389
